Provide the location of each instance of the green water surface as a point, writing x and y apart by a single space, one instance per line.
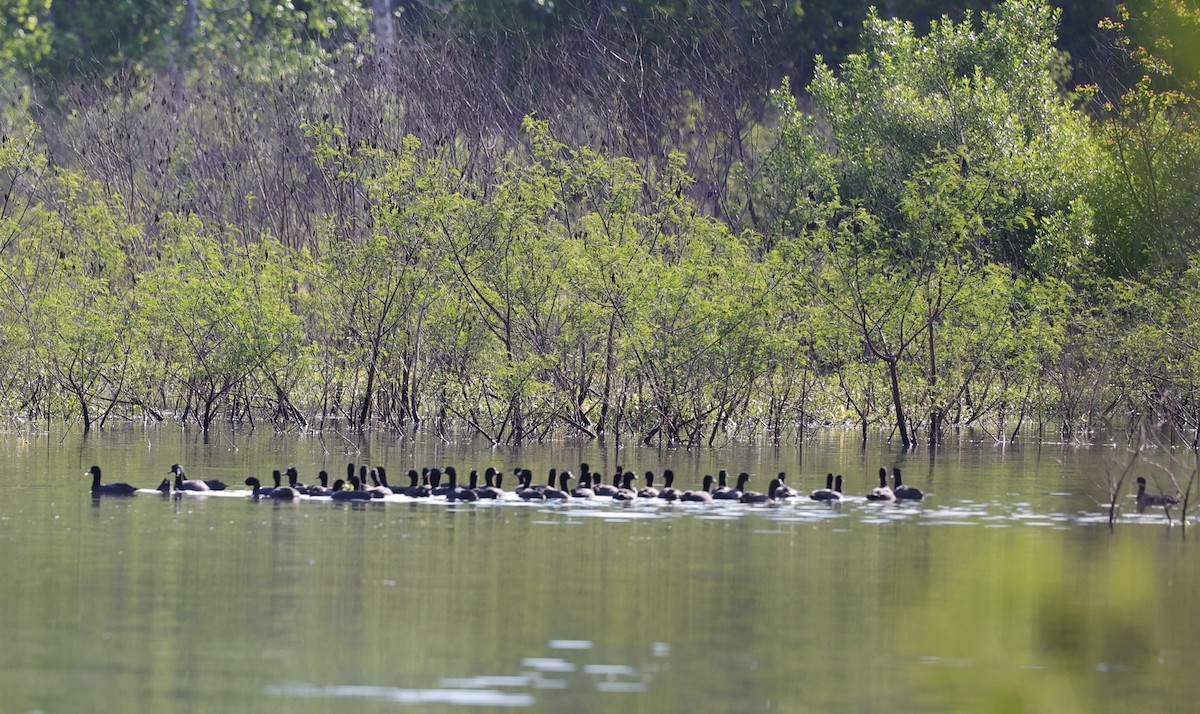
1004 591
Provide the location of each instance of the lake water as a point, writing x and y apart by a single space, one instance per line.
1004 591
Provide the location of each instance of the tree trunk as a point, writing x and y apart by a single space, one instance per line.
894 373
385 34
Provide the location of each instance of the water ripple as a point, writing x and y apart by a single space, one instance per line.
460 697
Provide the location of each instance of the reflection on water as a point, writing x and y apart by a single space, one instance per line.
507 690
1004 590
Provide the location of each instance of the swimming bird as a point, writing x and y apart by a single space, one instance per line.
829 493
754 497
881 492
584 489
376 489
669 492
108 489
182 483
701 496
354 494
735 493
462 493
489 489
421 490
603 489
527 491
293 478
323 489
257 490
902 492
285 493
165 487
782 490
563 491
626 492
1145 500
648 491
722 485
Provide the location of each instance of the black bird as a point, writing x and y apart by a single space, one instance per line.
701 496
584 489
734 494
464 493
829 493
902 492
881 492
490 489
626 492
782 490
754 497
355 494
527 491
109 489
563 492
293 478
722 485
257 490
669 492
1145 500
323 489
648 491
603 489
182 483
285 493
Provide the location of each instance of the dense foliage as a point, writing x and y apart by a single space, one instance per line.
531 223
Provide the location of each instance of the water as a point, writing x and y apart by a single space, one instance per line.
1004 591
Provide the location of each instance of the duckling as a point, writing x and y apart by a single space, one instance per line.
902 492
165 487
701 496
1145 500
648 491
829 493
669 492
881 492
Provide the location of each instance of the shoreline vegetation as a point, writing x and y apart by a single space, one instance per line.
441 231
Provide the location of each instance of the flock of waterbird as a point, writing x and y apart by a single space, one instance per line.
367 484
363 483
